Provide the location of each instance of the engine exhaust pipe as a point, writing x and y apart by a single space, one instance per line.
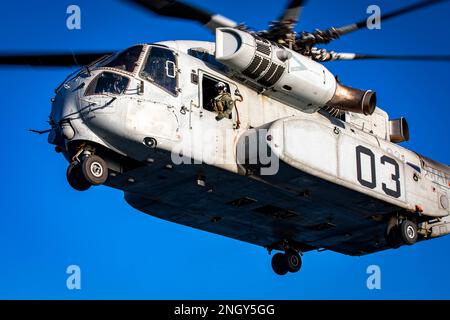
353 100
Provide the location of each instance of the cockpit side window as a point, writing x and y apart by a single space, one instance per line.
126 60
108 83
209 91
161 69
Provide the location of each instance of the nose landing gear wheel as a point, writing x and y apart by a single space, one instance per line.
95 170
76 179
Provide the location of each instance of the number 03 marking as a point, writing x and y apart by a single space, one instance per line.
395 177
373 180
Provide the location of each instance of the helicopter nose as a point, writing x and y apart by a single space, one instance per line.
63 108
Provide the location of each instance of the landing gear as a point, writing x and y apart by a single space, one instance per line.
282 263
401 232
293 260
95 170
279 264
392 235
91 171
76 179
408 232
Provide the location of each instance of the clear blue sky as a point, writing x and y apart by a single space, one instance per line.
45 226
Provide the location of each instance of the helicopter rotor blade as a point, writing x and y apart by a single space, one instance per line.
287 21
357 56
181 10
363 23
51 59
326 36
293 11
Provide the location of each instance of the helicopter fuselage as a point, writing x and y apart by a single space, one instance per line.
271 174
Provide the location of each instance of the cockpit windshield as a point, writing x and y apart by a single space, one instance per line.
126 60
161 69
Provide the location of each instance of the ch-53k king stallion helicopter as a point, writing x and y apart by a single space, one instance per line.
302 163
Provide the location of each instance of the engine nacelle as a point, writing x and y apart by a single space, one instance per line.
291 77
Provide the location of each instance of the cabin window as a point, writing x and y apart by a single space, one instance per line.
161 69
108 83
209 91
126 60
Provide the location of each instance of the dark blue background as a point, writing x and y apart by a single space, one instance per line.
46 226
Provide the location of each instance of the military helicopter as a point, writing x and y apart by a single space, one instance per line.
303 162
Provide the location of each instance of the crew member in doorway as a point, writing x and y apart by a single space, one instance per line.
223 103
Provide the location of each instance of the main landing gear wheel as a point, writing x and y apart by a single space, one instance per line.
76 179
95 170
408 232
404 232
282 263
392 236
293 261
279 264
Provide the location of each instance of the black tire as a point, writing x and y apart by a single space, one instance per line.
293 261
95 170
392 235
408 232
76 179
279 264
